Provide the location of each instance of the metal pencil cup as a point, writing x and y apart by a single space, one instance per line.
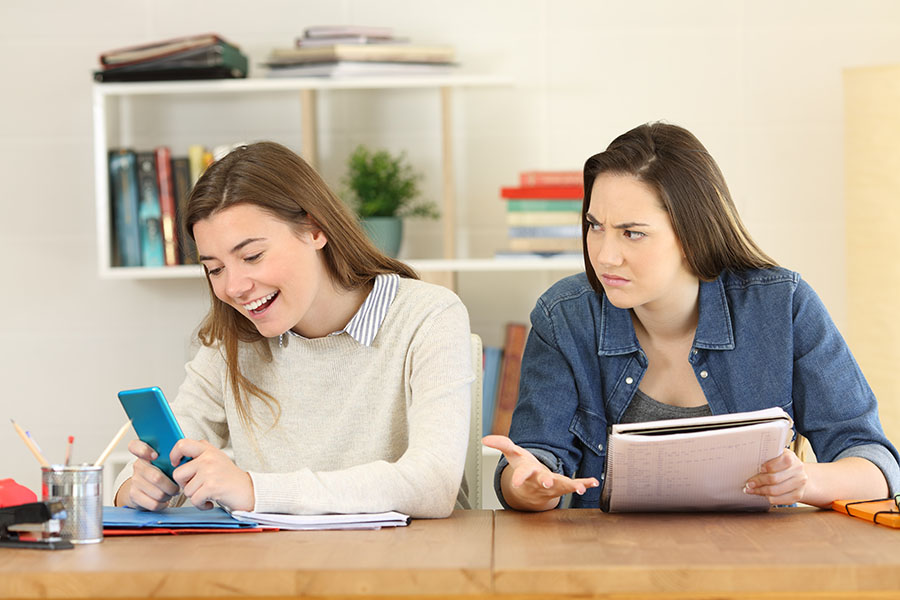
80 489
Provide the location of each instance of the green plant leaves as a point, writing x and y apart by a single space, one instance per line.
383 185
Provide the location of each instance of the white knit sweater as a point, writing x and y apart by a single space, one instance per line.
361 429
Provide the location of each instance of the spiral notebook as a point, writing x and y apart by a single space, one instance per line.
694 464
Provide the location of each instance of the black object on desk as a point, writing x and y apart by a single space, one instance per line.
34 513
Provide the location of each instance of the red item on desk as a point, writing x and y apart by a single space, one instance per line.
14 494
114 531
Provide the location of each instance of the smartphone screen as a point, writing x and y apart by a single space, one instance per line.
153 423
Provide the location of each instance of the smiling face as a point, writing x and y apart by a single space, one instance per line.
632 246
262 267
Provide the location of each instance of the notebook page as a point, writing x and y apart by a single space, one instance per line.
691 471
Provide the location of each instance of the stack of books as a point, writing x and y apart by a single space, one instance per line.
543 215
148 192
206 56
353 51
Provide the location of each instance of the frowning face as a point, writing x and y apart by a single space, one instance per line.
632 246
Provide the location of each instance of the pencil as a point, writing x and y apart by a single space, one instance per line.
112 444
69 449
30 444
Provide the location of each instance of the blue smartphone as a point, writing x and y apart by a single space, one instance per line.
154 423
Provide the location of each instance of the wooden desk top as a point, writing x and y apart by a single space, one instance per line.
445 556
785 553
790 553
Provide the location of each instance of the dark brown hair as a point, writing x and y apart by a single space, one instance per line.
272 177
692 190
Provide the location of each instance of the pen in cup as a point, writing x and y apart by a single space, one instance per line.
69 449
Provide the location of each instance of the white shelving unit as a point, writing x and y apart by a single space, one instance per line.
107 95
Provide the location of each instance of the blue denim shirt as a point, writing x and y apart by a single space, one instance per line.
763 339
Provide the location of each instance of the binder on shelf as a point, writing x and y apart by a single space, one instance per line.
123 191
168 221
149 212
181 186
510 371
492 359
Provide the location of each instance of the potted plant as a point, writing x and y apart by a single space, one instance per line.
383 189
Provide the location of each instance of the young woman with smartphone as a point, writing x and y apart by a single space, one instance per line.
340 381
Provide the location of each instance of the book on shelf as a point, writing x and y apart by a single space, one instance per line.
537 254
352 68
196 154
149 212
181 187
216 61
545 231
177 74
546 244
332 31
551 178
123 192
307 42
168 219
692 464
538 218
159 49
510 370
544 192
492 359
544 205
414 53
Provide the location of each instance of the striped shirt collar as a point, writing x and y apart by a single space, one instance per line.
364 325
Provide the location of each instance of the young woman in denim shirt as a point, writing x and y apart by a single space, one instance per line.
680 313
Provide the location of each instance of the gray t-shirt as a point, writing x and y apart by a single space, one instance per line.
643 408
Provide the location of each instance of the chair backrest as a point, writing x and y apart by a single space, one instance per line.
473 456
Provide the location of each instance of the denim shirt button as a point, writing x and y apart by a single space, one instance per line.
629 380
600 447
704 374
694 351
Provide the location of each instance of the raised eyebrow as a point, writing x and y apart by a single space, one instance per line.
237 248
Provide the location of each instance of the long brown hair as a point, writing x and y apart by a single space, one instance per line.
272 177
692 190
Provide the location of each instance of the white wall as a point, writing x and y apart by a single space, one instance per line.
758 81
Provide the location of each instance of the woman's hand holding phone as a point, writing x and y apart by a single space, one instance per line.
148 488
211 476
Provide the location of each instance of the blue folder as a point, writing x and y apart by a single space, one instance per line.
172 518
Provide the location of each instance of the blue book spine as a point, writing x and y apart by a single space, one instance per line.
149 212
546 231
123 191
490 382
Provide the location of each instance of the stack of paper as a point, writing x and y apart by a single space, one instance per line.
699 463
309 522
